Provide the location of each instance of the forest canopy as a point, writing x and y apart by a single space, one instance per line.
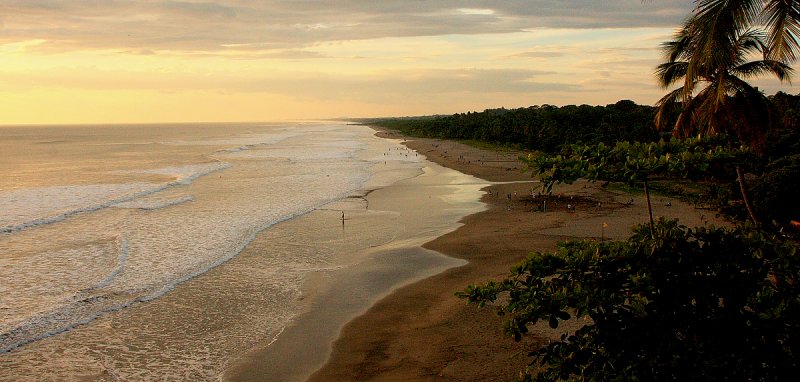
547 128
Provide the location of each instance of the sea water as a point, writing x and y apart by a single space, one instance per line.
97 222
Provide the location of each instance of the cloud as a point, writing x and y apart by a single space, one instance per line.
210 26
437 87
475 11
351 56
538 54
394 84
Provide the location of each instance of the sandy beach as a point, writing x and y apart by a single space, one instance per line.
422 332
367 299
415 211
272 311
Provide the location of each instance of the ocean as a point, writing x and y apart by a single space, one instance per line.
167 252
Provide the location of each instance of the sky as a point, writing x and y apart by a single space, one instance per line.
117 61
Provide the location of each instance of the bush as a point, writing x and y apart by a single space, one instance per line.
775 192
685 304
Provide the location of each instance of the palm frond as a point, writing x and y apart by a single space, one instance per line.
721 90
689 119
711 56
679 47
747 115
666 106
709 103
743 88
752 69
735 15
718 25
782 17
670 73
748 43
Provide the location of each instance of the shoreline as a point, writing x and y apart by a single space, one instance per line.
382 283
203 327
332 298
422 331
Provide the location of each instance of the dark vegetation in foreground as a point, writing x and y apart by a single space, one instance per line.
670 302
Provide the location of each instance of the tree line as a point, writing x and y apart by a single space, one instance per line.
544 128
670 302
548 128
553 129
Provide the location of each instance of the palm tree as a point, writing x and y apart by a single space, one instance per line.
712 55
780 18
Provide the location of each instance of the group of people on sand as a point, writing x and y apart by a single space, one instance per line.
406 153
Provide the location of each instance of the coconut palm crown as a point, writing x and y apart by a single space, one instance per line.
779 18
712 55
712 66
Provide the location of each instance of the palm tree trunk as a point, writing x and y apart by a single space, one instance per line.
649 209
743 190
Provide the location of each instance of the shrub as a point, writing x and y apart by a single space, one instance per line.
683 304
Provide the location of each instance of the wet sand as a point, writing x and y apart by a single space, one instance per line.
272 312
418 210
421 332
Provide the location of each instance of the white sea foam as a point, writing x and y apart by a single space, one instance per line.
150 204
20 209
291 153
241 142
123 256
159 235
26 208
142 274
186 174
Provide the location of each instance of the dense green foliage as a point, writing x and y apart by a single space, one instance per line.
671 303
544 128
638 162
683 304
547 129
711 56
775 190
635 162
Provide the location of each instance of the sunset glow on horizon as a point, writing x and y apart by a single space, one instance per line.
186 61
